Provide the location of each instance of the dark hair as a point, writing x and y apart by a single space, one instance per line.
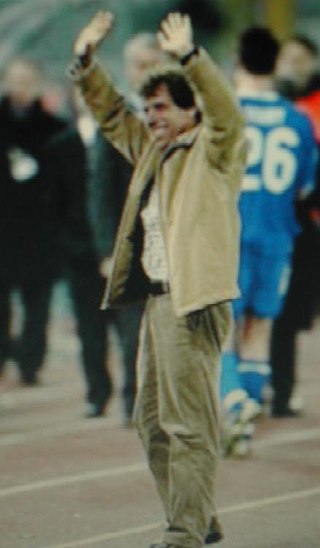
304 41
258 50
179 89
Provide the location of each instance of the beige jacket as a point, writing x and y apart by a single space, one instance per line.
199 179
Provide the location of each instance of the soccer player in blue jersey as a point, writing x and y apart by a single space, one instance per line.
281 167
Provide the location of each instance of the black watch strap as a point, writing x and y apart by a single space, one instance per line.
186 58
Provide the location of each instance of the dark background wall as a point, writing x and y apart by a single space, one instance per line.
45 29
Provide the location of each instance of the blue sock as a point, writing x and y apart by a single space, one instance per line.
255 376
230 379
231 389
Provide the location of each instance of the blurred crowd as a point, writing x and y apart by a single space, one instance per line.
62 190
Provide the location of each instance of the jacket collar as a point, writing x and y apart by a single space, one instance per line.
184 140
187 138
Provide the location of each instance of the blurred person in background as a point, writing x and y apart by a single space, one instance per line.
281 169
109 178
182 197
297 79
142 54
296 68
67 176
27 232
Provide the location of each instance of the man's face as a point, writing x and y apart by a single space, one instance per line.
165 119
295 63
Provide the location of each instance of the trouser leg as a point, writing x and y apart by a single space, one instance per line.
35 300
283 361
177 413
146 412
86 288
4 323
127 323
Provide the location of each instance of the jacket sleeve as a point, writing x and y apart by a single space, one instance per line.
120 126
221 116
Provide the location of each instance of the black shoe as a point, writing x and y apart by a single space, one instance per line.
163 545
285 412
215 533
29 378
95 410
213 537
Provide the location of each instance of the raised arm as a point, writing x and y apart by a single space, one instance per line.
218 102
176 35
125 131
91 36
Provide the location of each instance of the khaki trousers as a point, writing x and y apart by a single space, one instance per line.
176 412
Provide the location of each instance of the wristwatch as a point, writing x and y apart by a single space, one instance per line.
186 58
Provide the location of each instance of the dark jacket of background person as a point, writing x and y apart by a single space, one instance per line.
309 210
303 298
304 291
67 174
109 176
27 232
67 177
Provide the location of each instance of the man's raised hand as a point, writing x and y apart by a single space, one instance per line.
93 33
175 35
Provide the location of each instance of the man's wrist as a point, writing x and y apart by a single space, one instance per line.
77 70
184 59
84 58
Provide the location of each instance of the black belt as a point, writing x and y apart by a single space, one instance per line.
158 288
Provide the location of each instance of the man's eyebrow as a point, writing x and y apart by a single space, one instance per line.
156 102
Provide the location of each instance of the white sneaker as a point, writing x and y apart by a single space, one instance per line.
297 403
242 448
238 429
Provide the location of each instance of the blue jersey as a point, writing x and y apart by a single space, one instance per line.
281 166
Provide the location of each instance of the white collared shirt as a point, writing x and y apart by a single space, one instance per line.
154 258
